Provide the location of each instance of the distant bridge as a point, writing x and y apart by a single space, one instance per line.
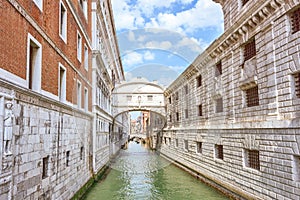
142 136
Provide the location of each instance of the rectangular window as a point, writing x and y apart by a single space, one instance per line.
176 96
169 141
244 2
186 113
39 4
165 140
199 80
219 151
200 113
252 159
170 100
83 5
63 21
150 97
176 142
86 58
218 69
249 50
295 20
186 89
79 95
79 47
219 105
34 64
177 116
67 158
62 83
129 97
296 168
199 147
186 145
297 84
81 153
45 167
86 99
170 116
252 96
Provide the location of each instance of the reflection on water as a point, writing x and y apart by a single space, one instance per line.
139 173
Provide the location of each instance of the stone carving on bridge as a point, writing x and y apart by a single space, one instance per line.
248 73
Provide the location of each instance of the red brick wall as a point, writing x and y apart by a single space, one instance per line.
14 31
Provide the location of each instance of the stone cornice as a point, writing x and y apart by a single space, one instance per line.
182 79
250 20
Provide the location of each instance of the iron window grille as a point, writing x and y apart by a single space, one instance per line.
45 167
199 81
177 116
244 2
199 147
252 97
297 84
219 105
186 113
218 69
219 151
176 96
295 21
253 159
249 50
186 145
186 88
200 113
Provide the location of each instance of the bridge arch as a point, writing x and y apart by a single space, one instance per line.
137 95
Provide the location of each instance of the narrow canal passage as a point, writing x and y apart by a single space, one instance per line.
139 173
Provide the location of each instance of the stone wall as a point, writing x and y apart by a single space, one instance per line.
44 146
249 145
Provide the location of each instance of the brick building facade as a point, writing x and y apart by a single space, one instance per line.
46 87
234 116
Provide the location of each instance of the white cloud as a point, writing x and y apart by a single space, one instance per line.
149 55
132 58
188 21
159 45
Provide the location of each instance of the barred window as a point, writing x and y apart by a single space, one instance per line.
176 142
244 2
252 96
186 113
219 151
295 20
249 50
67 158
200 113
186 88
177 116
218 69
297 84
199 147
176 96
45 167
252 159
297 168
219 105
186 144
170 118
170 100
199 80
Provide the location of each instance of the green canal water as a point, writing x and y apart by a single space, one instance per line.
140 174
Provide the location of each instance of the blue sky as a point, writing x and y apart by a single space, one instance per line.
164 35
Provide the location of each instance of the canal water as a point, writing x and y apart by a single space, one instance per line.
140 174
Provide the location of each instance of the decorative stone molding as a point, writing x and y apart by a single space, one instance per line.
251 142
248 73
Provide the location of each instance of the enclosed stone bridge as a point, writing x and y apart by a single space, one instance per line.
138 95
